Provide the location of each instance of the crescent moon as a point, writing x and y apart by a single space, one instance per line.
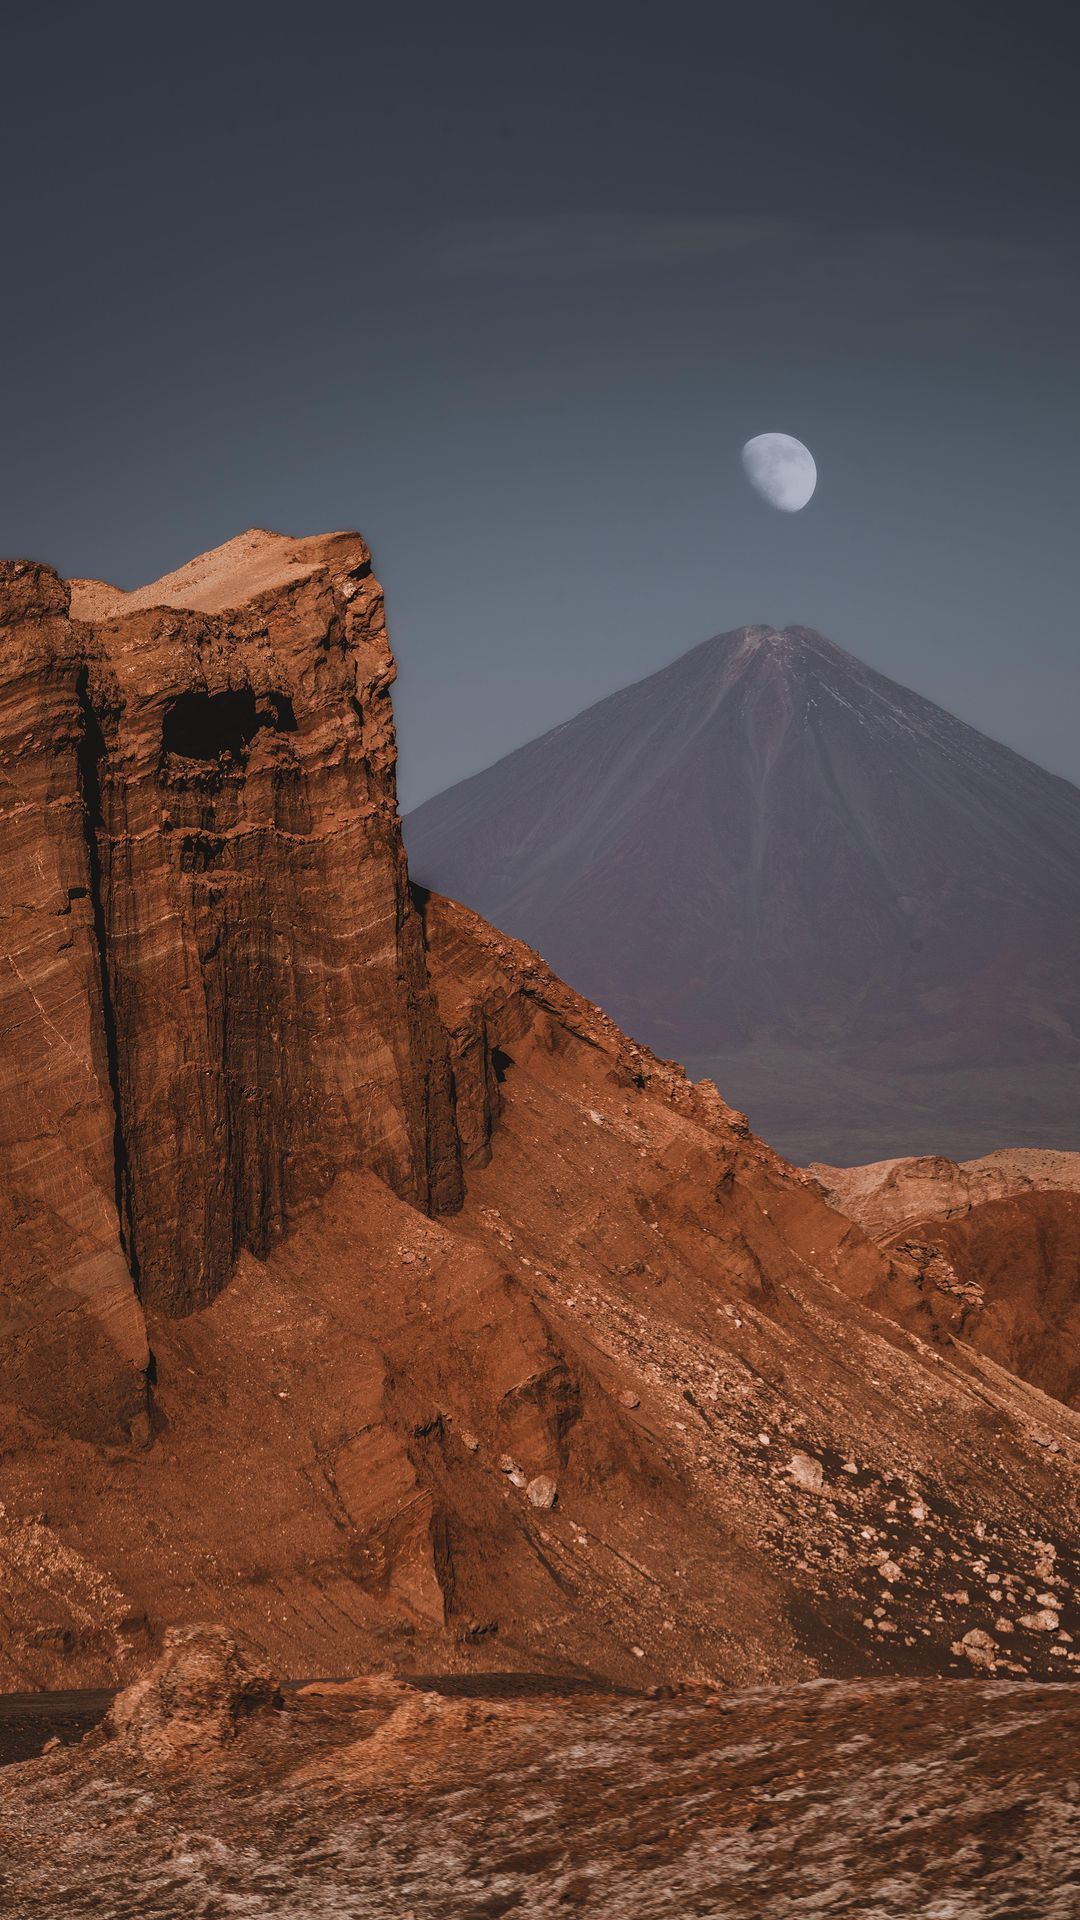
781 469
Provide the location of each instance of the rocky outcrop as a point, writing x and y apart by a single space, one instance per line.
891 1194
215 985
993 1249
262 966
480 1336
195 1698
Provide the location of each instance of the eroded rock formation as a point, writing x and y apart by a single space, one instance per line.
213 965
74 1342
480 1337
993 1248
194 1699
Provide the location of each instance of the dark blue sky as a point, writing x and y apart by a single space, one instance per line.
507 287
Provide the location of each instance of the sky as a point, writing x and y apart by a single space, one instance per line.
507 287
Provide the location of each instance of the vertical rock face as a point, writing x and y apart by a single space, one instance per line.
264 977
71 1332
215 993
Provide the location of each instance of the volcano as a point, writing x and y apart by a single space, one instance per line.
858 914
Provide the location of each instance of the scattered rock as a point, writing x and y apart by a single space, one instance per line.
542 1491
1045 1621
978 1648
628 1398
1045 1556
806 1473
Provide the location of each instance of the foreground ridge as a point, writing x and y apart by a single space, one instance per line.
374 1797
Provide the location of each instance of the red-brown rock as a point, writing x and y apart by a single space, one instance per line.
389 1202
194 1699
993 1248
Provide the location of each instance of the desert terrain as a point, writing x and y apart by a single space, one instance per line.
370 1296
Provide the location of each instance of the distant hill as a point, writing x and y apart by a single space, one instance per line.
778 866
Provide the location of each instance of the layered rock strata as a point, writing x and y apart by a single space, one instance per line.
480 1337
216 990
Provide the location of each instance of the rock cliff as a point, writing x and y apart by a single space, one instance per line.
214 977
364 1287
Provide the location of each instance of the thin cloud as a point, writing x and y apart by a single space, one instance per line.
556 246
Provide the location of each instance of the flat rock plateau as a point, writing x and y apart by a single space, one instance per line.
367 1292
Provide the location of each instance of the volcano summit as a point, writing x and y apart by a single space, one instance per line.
858 914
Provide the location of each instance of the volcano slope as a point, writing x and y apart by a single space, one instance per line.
366 1289
858 915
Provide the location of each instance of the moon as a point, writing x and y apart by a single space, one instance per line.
781 469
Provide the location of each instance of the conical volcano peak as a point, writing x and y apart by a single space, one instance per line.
783 868
748 642
785 648
795 644
781 645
